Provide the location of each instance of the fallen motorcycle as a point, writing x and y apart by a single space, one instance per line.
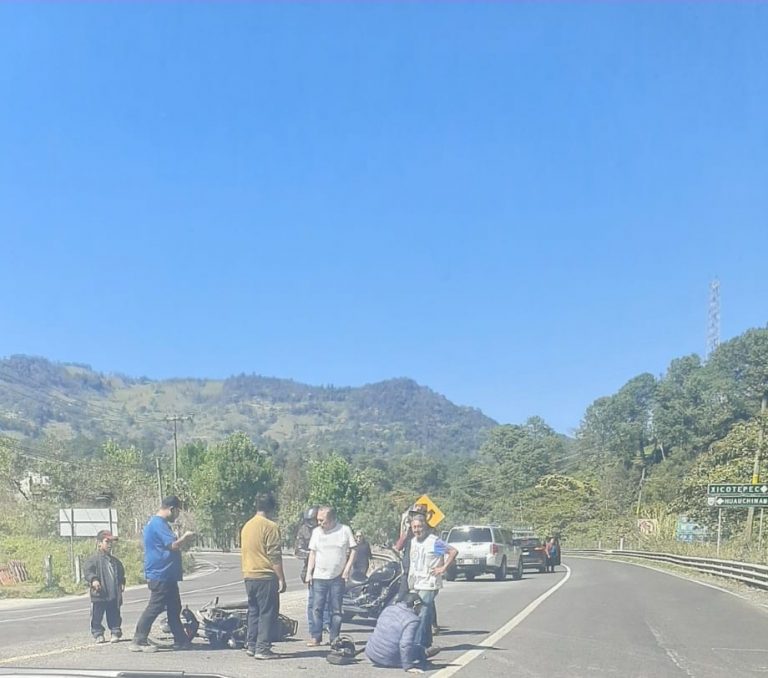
226 624
367 598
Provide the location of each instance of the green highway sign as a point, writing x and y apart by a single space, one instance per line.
733 489
746 500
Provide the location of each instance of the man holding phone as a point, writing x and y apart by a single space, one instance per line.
162 570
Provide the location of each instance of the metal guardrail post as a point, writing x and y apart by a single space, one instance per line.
78 569
48 571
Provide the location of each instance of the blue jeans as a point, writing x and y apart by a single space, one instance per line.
426 616
327 594
313 631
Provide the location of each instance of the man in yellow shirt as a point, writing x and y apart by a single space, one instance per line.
262 562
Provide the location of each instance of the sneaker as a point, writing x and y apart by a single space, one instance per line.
266 654
115 637
314 642
100 639
142 647
249 651
432 651
181 646
435 630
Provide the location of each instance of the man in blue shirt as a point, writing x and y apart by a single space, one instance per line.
162 570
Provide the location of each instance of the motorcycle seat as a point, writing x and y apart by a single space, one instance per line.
385 573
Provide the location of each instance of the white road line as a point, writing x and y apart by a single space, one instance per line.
50 653
43 616
675 657
143 601
497 635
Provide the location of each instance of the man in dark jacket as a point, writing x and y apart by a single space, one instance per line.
105 576
393 642
301 551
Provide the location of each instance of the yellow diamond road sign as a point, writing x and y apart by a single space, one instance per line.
434 514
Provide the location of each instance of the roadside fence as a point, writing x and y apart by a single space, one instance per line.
13 573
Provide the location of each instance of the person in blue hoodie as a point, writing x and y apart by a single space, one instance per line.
394 641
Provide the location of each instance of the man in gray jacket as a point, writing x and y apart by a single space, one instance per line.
393 642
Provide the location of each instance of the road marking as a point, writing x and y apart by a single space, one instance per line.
143 601
42 616
38 655
497 635
677 659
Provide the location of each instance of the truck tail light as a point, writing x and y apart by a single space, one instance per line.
494 549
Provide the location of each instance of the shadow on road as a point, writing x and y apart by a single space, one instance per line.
464 647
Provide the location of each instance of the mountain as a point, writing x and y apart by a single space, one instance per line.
79 408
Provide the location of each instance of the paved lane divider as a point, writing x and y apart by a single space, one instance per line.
497 635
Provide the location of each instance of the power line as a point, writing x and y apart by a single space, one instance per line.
14 446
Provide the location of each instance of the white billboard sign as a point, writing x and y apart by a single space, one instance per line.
86 522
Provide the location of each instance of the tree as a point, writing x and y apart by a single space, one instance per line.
743 364
379 520
419 474
228 485
728 461
333 482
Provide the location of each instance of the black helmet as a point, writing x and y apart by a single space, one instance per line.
414 601
342 651
310 514
418 508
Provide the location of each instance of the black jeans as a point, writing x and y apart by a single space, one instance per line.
263 601
164 595
114 620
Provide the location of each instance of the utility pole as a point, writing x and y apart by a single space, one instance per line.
176 419
640 493
159 481
756 463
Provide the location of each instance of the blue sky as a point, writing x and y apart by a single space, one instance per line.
518 205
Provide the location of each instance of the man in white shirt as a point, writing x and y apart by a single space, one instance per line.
331 554
430 558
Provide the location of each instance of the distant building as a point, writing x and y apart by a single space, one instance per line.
34 485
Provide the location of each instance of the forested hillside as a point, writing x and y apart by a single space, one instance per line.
79 409
646 451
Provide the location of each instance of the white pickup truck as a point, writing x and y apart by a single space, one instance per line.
484 549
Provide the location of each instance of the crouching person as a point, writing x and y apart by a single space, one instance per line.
394 641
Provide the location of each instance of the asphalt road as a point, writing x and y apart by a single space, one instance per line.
591 618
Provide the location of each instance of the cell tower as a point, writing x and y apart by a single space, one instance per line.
713 324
